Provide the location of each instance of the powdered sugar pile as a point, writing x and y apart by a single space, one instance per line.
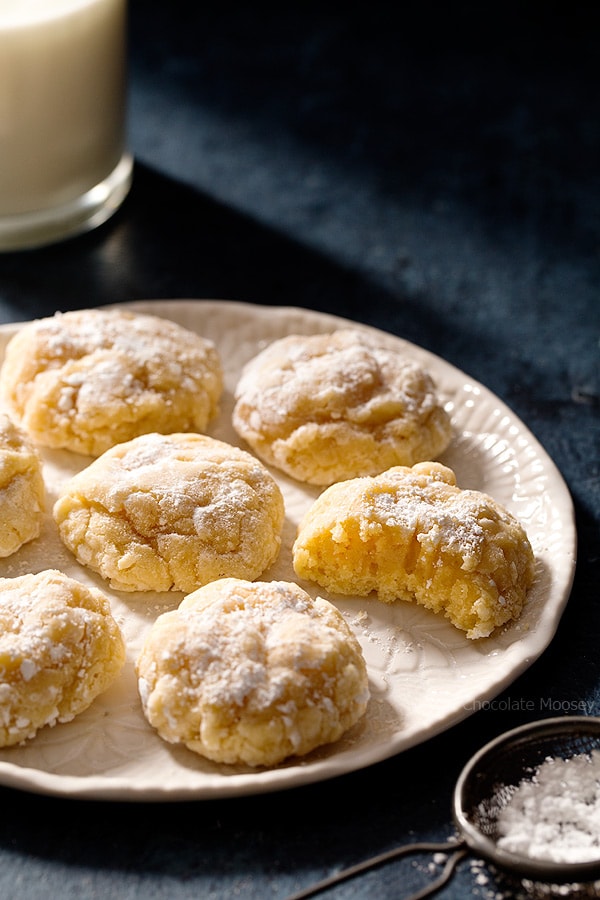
555 815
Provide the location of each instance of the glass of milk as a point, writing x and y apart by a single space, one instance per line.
64 166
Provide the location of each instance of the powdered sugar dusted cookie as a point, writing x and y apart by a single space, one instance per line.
328 407
88 379
413 534
60 648
22 491
252 673
172 512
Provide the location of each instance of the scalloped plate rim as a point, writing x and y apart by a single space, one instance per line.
311 770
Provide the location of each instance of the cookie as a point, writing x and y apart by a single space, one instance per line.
328 407
172 512
60 648
22 490
413 534
88 379
252 673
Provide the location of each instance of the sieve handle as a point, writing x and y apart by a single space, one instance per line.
459 848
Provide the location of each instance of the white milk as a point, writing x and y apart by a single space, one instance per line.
62 102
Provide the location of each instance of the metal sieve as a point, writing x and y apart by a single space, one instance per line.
482 790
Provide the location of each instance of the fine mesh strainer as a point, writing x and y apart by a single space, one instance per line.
482 791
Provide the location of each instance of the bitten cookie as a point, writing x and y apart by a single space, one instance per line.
172 512
329 407
88 379
412 534
60 647
252 673
22 491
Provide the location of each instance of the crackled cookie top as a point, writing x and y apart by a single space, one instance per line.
252 673
22 490
60 647
328 407
413 534
172 512
88 379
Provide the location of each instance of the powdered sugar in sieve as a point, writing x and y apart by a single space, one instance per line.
528 802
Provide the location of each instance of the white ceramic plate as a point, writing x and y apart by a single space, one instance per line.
425 675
